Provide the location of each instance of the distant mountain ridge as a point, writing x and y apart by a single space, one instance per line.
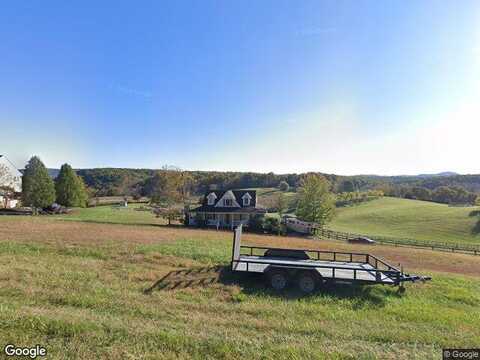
442 174
54 173
120 181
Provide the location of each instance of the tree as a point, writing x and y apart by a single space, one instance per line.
281 205
419 193
169 188
453 195
70 188
315 201
283 186
38 189
7 190
169 214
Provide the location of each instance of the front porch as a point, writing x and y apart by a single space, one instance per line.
220 220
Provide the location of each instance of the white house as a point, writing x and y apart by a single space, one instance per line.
9 177
226 208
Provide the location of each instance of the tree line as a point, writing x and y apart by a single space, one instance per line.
139 182
40 191
442 194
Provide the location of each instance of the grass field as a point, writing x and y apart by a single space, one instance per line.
402 218
76 288
267 197
132 215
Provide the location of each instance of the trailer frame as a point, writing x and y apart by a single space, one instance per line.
331 266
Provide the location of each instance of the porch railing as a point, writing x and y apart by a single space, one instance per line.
225 224
240 222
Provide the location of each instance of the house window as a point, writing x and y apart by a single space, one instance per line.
246 198
228 202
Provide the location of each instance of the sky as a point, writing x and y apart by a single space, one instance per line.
345 87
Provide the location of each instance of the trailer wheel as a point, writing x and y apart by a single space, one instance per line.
277 279
307 281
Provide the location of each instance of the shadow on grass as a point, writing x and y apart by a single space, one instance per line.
254 284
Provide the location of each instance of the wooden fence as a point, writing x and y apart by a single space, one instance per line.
451 247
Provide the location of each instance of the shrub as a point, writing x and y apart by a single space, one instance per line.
200 222
272 225
257 223
283 186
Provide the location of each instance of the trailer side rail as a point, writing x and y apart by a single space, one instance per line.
394 276
334 256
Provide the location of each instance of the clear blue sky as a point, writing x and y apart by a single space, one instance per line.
386 87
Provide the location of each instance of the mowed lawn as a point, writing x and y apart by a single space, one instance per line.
134 214
77 288
402 218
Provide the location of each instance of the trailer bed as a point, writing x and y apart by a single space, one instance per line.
340 270
333 266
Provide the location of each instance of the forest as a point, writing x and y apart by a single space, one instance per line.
451 189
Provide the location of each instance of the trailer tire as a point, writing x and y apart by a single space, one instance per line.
277 279
308 281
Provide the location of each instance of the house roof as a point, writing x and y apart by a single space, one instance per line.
238 194
238 210
11 166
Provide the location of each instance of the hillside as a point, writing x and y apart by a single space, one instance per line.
404 218
77 289
267 197
124 181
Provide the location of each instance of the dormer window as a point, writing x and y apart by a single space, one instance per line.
246 199
228 199
211 198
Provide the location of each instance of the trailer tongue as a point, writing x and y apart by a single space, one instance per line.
312 268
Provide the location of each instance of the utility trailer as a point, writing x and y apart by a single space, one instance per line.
311 269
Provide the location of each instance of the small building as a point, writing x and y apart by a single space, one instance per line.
226 209
10 177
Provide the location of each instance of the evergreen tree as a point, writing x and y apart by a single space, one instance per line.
70 188
38 189
315 201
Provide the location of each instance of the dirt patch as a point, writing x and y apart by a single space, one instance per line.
77 233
